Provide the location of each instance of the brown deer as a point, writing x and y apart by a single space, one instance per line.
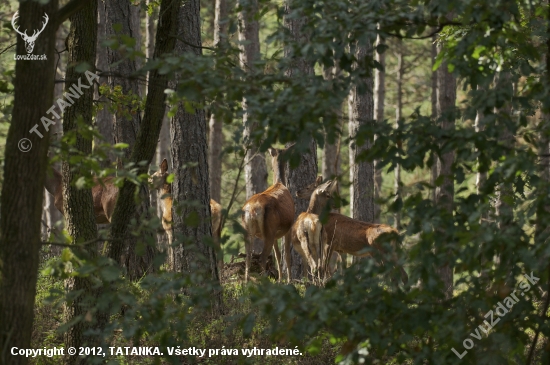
308 234
158 180
269 216
104 194
347 235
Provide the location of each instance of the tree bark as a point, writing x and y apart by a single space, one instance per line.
20 209
379 99
398 117
215 140
149 132
361 112
446 99
434 168
78 203
331 167
104 119
191 223
255 168
122 14
306 172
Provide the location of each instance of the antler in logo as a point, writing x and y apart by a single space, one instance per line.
29 40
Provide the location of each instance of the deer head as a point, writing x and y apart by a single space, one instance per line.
158 179
29 40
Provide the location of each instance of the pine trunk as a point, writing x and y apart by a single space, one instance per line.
446 99
192 223
122 14
78 203
255 168
379 99
361 111
215 140
398 117
21 208
147 138
306 172
103 119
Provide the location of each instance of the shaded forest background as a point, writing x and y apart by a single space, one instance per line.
432 117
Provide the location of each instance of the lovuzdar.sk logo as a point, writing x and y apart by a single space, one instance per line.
29 39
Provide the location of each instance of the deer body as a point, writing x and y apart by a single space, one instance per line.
269 216
104 195
308 233
340 234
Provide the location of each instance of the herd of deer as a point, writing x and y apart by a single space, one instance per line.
268 215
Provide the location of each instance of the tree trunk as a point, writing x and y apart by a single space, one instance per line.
505 191
104 119
446 99
120 13
434 168
379 99
20 208
191 223
361 111
255 168
215 140
52 215
78 203
306 172
398 117
149 132
331 155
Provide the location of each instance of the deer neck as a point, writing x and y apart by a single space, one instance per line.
279 173
53 182
316 205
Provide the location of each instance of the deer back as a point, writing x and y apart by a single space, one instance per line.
269 213
307 238
348 235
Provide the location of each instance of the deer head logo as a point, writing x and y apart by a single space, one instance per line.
29 40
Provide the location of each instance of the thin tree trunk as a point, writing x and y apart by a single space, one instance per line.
398 117
331 159
104 119
78 203
504 192
434 168
361 112
192 224
52 215
446 99
121 14
149 132
255 169
306 172
379 99
215 140
20 209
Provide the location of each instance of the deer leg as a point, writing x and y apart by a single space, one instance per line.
248 251
279 260
287 255
268 246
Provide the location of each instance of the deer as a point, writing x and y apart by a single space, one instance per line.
104 195
343 234
29 40
269 216
159 182
308 233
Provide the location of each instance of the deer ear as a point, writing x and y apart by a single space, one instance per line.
318 180
273 152
164 166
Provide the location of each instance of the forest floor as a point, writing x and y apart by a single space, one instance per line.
206 331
